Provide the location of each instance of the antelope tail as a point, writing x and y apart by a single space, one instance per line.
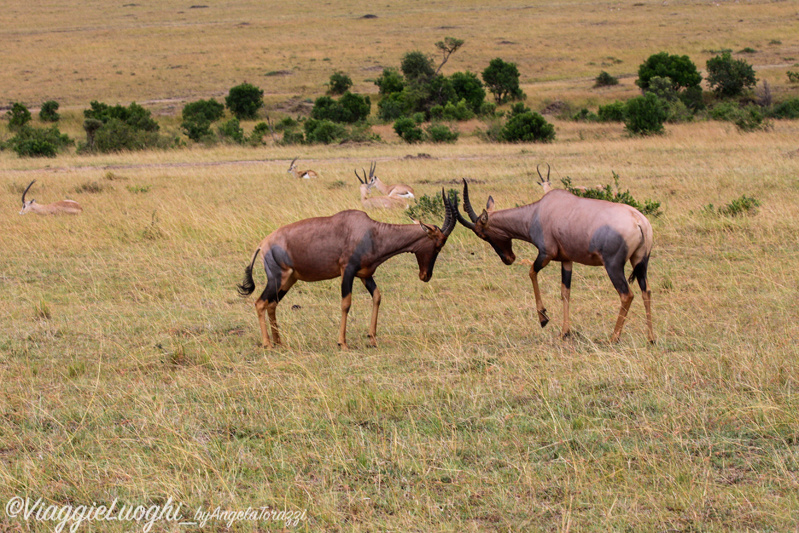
247 285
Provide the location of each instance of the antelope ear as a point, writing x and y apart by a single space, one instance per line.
490 203
482 219
430 230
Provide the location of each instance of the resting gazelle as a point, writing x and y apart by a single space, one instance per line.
63 207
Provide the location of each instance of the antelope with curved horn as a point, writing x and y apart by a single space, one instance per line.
348 244
64 207
304 174
377 202
570 229
399 190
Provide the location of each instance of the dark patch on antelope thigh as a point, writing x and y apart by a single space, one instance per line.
609 243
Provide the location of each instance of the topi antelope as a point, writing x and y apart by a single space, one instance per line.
64 207
397 190
570 229
377 202
305 174
348 244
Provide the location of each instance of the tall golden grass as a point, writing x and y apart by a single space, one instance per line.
131 369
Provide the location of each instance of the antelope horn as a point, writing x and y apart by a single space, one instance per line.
539 173
359 177
467 205
26 191
458 215
292 162
449 218
372 168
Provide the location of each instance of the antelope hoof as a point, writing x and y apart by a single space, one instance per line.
372 341
343 346
543 318
566 334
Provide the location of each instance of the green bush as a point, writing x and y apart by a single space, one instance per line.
49 111
323 131
788 109
231 131
350 108
18 116
793 77
748 118
39 142
525 125
613 112
502 80
417 67
438 133
339 83
244 101
729 77
648 207
198 116
390 81
745 205
293 137
116 136
430 207
408 131
644 115
391 107
468 87
605 80
680 69
134 115
585 115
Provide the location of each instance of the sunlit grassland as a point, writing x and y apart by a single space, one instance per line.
173 50
131 368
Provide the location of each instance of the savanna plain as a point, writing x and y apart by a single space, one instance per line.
131 370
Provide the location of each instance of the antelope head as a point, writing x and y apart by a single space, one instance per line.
293 166
499 240
26 206
545 183
426 255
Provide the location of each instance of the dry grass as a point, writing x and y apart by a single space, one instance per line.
131 369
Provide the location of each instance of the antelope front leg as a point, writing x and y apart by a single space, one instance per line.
371 286
540 262
565 294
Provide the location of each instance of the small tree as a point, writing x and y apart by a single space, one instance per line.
18 116
408 131
605 80
417 67
502 79
468 87
525 125
339 83
680 69
644 115
729 77
49 111
390 81
198 116
244 101
448 47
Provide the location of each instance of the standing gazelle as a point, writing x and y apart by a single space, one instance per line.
570 229
65 207
348 244
305 174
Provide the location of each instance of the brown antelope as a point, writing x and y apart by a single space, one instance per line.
64 207
399 190
378 202
571 229
305 174
348 244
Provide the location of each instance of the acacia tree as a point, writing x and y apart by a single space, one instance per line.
728 76
679 69
502 79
